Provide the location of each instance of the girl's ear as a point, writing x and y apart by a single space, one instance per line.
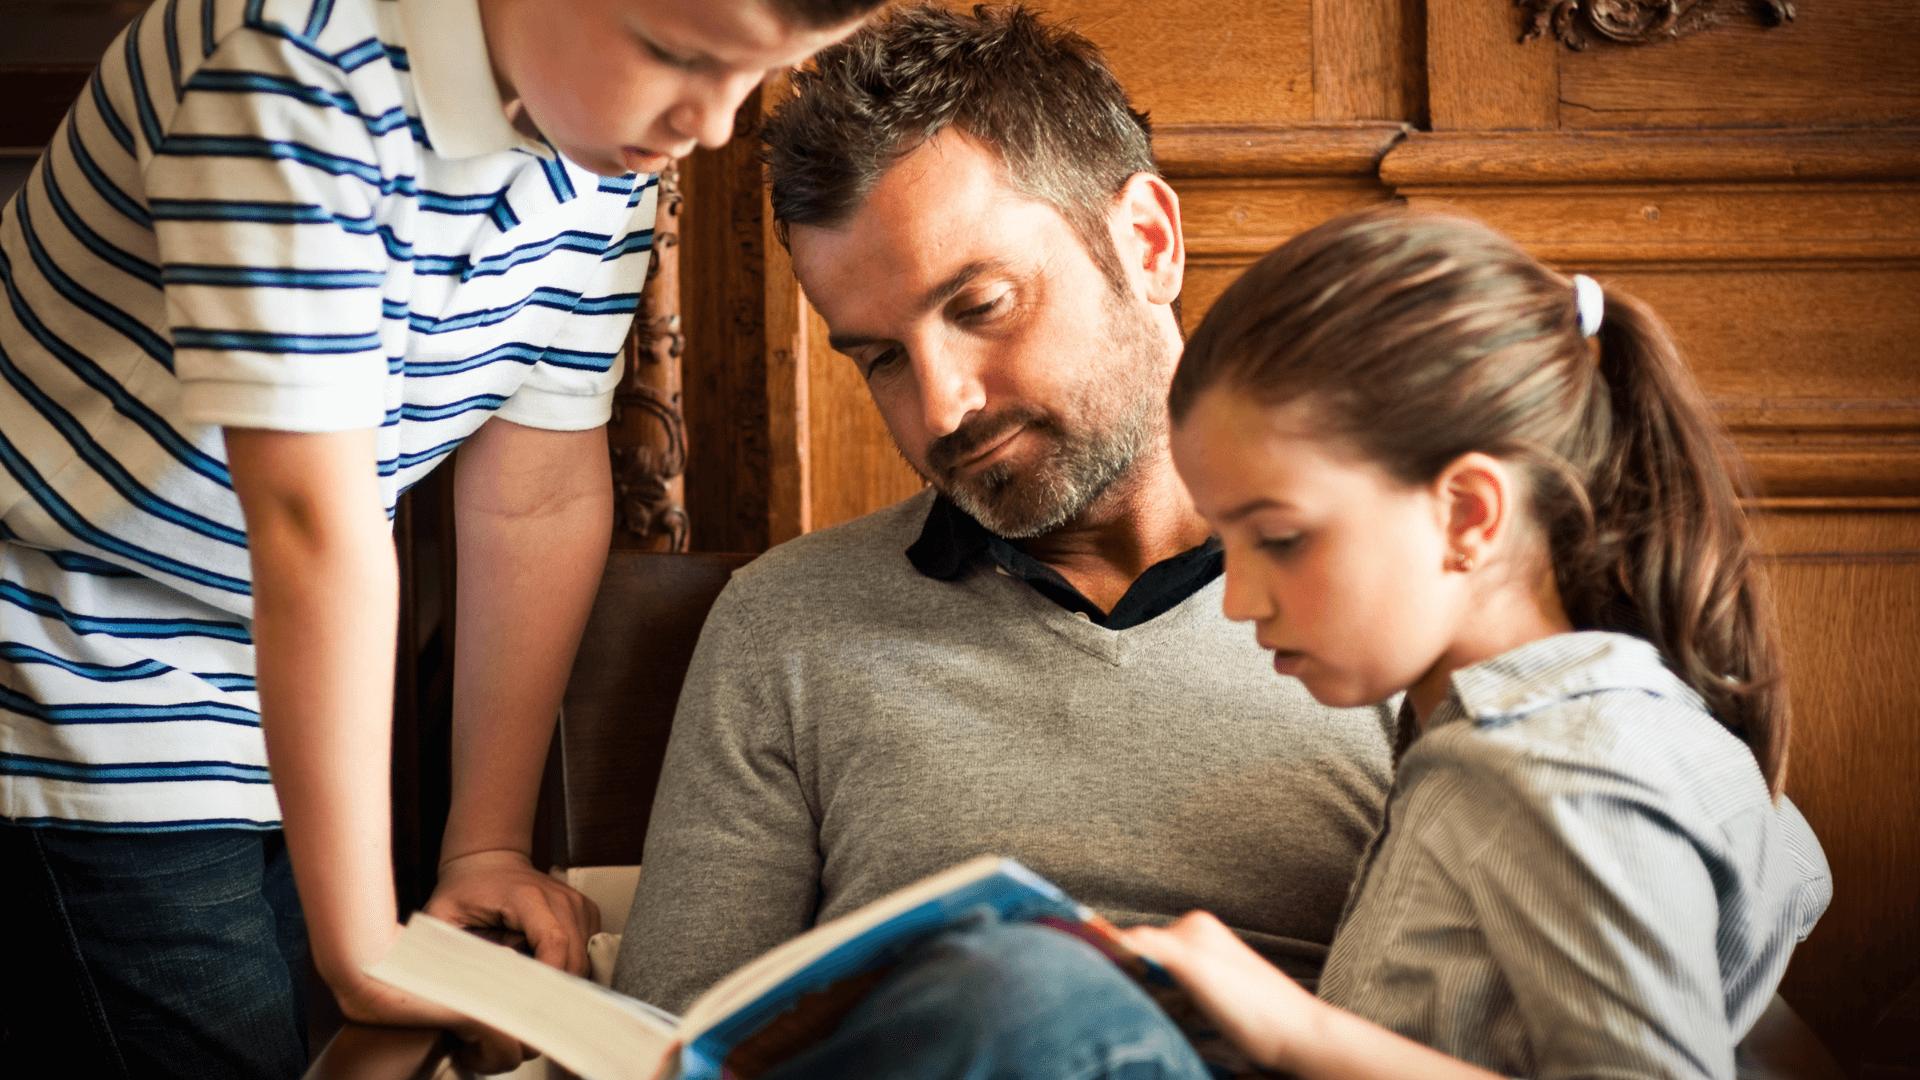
1480 495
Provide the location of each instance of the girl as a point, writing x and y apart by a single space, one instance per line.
1441 468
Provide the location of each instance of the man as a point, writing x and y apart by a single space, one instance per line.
1029 658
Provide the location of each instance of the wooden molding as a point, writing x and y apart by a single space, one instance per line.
1579 23
1815 504
1829 199
1798 155
1274 151
1834 465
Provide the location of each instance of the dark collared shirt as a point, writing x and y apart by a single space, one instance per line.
952 539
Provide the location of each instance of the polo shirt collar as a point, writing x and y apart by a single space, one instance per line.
952 540
460 104
1541 674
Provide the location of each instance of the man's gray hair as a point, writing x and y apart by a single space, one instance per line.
1040 96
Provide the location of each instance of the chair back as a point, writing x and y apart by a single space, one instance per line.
619 705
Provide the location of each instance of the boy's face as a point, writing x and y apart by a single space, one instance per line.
623 86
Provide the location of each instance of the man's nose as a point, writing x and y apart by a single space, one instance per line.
705 113
950 388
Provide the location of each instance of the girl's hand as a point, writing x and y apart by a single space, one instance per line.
1256 1006
1275 1022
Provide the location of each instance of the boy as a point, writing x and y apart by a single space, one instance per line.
282 258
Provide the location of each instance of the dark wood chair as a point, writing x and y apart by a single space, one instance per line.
605 762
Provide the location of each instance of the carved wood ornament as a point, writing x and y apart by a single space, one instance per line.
1578 23
648 433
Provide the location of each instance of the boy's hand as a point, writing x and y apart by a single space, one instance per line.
501 888
364 999
482 1049
1257 1007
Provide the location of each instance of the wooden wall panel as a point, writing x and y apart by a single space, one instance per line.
1239 61
1787 263
1479 78
1839 62
1370 60
724 373
1847 584
788 360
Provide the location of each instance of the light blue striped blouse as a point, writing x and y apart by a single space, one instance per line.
306 215
1581 875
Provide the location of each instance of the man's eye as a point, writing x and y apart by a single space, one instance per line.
880 362
981 310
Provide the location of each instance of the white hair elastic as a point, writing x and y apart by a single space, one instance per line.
1590 302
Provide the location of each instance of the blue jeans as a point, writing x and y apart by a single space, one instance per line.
151 955
993 1001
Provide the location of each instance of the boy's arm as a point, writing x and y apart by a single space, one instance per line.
325 608
533 513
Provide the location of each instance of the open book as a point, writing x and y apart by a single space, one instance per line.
764 1013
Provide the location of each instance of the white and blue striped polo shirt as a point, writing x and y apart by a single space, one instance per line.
305 215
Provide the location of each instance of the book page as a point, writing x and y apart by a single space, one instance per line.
589 1029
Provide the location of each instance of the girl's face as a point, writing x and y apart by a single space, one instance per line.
1341 568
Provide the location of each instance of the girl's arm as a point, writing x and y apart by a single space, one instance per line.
533 511
325 588
1590 893
1276 1022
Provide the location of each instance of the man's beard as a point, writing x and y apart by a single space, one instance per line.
1080 460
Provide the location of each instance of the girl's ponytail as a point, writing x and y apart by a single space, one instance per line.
1671 540
1423 336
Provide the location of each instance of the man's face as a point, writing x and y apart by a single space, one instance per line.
1011 373
623 86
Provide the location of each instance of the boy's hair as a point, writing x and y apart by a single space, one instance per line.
822 13
1041 97
1421 337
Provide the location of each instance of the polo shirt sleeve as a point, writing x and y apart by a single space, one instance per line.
265 190
571 387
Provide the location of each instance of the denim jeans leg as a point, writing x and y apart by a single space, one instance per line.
993 1001
171 949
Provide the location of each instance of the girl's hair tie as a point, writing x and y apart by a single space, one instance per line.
1590 302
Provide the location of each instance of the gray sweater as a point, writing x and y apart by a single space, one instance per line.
850 725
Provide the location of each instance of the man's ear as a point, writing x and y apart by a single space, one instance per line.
1146 225
1481 496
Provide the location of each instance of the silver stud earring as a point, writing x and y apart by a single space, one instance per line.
1461 562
